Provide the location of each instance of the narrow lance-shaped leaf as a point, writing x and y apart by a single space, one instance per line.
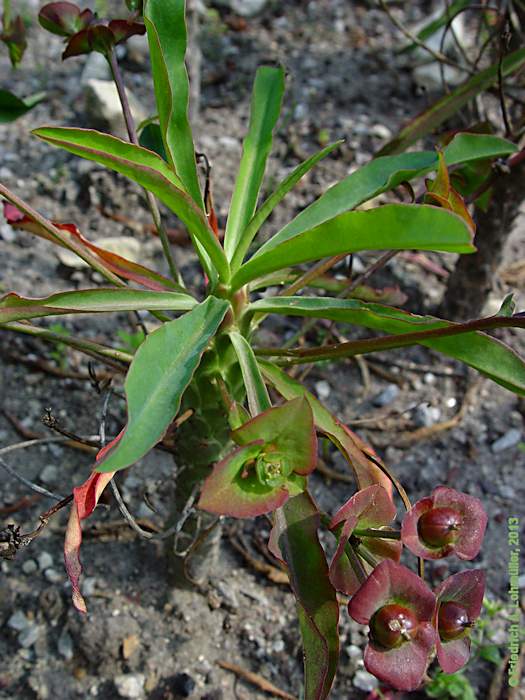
297 523
166 27
464 341
390 227
16 308
267 96
273 200
353 449
451 103
383 174
161 370
258 399
151 172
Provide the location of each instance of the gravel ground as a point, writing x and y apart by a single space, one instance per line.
142 637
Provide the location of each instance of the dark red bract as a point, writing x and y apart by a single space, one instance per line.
399 607
458 605
447 522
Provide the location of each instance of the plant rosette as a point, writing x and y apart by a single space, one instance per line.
278 449
447 522
458 606
398 607
370 508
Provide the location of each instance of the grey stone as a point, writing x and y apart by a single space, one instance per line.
49 474
29 567
245 8
508 492
45 560
387 396
104 109
18 621
365 681
130 685
95 68
426 415
511 438
29 636
381 131
65 645
53 576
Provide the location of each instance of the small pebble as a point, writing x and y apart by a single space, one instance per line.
429 378
387 396
29 567
130 685
53 576
278 646
65 645
45 561
323 389
28 636
18 621
365 681
511 438
426 416
49 474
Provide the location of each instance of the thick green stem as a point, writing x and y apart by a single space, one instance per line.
7 14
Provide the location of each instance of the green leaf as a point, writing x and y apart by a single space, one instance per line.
383 174
297 523
232 489
151 138
16 308
273 200
390 227
12 107
488 355
348 443
490 653
435 25
147 169
258 399
267 96
166 27
289 431
161 370
451 103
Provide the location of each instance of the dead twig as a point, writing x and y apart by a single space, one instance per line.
256 680
271 572
425 433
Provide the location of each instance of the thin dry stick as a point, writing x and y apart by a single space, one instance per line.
256 680
34 487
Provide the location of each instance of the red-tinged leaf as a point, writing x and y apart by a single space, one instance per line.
353 449
14 37
297 523
94 38
233 488
64 18
370 508
122 29
441 192
287 430
111 261
85 500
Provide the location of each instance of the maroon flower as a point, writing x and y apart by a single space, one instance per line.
83 31
459 601
398 606
444 523
369 508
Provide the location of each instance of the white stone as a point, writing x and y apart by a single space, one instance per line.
18 621
45 561
130 685
323 389
29 567
365 681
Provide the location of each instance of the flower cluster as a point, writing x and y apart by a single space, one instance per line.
83 31
407 620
